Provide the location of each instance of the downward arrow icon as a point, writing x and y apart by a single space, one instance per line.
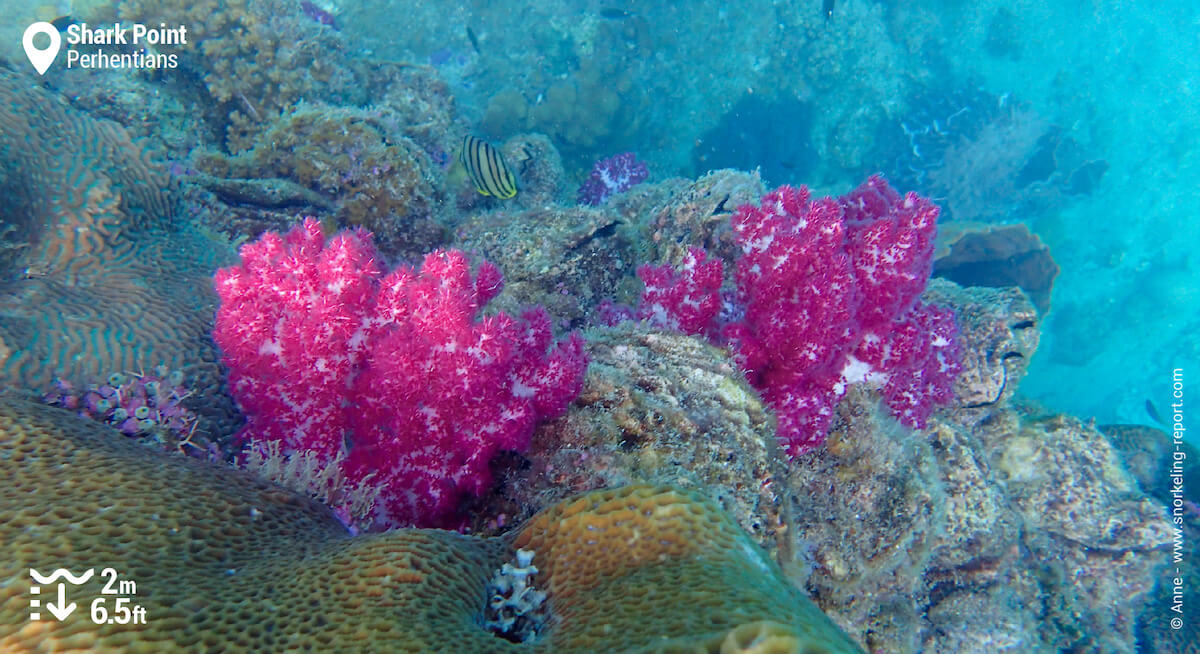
62 609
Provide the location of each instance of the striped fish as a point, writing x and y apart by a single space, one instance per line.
487 169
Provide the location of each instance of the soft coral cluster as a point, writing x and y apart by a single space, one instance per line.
611 176
688 299
392 376
828 296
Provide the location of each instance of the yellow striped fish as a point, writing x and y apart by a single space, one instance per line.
487 169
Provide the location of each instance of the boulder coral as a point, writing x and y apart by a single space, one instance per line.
223 561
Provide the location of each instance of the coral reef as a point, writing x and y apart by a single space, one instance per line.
1148 452
1012 516
223 561
695 214
989 158
894 531
656 407
687 299
827 296
851 70
858 265
516 610
99 270
330 354
591 109
148 406
998 335
1152 457
256 58
585 545
539 170
365 169
417 102
977 170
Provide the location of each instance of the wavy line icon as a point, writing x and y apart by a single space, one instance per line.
63 573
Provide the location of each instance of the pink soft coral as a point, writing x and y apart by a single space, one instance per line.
395 374
688 299
828 294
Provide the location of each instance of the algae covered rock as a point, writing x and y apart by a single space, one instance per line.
1031 520
566 259
359 165
657 407
999 333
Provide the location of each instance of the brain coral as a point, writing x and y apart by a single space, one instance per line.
223 561
98 271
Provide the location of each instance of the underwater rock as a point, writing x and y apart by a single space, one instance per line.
866 512
1095 536
892 530
974 621
224 561
566 259
997 256
903 527
419 104
266 193
354 159
1148 453
146 105
696 214
657 407
592 107
998 335
255 60
539 170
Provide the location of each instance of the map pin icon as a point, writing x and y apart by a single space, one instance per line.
41 59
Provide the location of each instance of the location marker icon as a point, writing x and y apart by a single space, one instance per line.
41 59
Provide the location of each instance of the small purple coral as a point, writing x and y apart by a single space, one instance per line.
318 14
137 404
610 176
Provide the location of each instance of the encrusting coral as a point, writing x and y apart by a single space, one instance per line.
225 561
358 162
254 59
